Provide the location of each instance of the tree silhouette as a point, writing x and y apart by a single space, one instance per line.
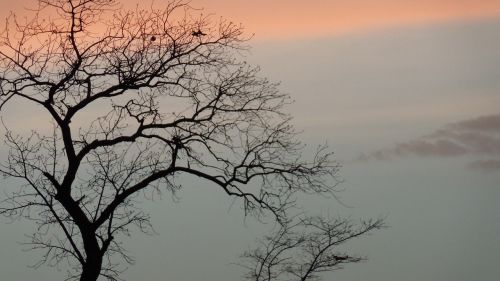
167 94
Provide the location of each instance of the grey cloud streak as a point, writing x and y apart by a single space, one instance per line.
476 137
485 165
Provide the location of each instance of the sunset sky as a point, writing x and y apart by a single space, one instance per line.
407 94
292 19
323 18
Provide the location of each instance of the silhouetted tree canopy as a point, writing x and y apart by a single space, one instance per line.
137 98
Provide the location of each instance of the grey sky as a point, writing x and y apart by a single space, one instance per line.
360 93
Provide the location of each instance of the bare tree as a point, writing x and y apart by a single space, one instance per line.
168 94
304 249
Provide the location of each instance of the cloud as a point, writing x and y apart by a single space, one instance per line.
476 137
490 123
485 165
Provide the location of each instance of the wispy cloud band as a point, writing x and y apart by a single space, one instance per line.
479 137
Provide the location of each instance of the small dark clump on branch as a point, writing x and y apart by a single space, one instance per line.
198 33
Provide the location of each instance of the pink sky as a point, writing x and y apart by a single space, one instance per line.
288 19
322 18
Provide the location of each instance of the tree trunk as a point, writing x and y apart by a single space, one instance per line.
93 261
91 270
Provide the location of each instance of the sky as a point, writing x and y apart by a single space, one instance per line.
406 93
293 19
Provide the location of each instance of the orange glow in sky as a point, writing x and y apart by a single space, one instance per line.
322 18
288 19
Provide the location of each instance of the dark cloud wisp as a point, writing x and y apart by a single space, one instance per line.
476 137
